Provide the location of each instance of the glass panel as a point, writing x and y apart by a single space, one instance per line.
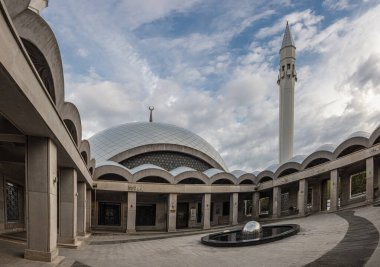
14 196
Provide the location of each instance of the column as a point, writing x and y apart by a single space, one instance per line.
234 198
82 188
206 207
88 210
255 205
302 197
172 212
276 202
41 199
131 216
334 190
68 206
369 179
2 204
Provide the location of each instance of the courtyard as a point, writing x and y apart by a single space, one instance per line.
322 241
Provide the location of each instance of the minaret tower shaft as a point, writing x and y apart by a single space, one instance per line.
287 78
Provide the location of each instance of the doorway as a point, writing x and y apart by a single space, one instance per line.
182 215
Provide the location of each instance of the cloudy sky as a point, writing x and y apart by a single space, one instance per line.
211 66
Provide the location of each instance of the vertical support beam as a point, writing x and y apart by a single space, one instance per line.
131 217
172 212
88 210
302 197
82 208
41 196
276 202
2 203
68 206
255 205
369 179
234 198
334 190
206 207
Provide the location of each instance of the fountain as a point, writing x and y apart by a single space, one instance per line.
251 234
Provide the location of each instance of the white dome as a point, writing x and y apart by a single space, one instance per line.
113 141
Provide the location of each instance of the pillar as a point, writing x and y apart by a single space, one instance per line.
369 179
234 198
82 188
88 210
302 197
67 206
276 202
172 212
131 216
41 199
256 205
2 204
334 190
206 208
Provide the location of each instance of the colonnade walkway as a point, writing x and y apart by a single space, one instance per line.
347 237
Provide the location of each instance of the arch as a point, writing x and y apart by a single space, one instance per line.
264 176
112 177
142 172
72 130
84 148
42 37
191 181
223 178
191 175
71 117
317 158
84 156
247 178
375 136
91 166
113 169
286 169
222 181
153 179
350 146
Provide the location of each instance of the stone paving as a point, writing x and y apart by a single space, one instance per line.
320 235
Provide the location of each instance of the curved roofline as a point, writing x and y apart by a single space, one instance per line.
126 140
165 147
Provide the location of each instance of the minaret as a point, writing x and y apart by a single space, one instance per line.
287 78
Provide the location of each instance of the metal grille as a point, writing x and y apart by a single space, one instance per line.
13 202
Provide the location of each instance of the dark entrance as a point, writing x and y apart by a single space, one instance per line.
145 215
182 215
325 195
109 213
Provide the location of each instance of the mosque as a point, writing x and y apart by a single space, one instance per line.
143 176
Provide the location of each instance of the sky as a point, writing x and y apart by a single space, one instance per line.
211 66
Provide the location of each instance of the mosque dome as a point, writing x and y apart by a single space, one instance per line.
137 143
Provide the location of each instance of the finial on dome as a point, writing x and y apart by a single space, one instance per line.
151 108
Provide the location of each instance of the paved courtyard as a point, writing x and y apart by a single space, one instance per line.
346 239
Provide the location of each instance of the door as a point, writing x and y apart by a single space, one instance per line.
182 215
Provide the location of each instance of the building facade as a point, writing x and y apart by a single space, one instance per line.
138 176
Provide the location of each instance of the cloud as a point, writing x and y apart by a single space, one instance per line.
219 80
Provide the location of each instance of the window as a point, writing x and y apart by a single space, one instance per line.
288 66
226 208
199 212
145 215
358 184
14 202
264 205
248 207
109 213
283 68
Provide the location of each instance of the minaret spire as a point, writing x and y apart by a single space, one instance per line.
286 80
151 108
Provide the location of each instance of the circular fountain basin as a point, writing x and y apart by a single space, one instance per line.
238 238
